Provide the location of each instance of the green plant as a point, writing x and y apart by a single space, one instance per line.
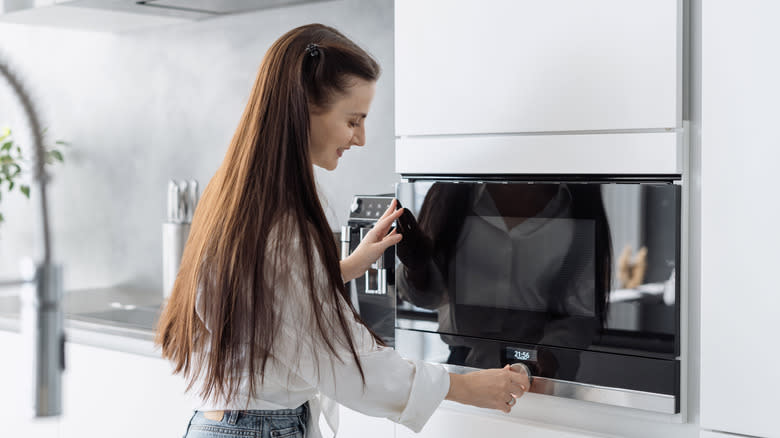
14 165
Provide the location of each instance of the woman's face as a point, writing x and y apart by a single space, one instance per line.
341 126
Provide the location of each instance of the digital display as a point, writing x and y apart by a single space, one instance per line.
520 354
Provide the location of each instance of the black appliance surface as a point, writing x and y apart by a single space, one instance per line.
373 294
578 280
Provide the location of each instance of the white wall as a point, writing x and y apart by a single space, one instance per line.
142 107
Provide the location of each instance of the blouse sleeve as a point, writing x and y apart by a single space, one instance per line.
404 391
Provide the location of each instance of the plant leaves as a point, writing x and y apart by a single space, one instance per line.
1 217
6 146
25 191
10 185
57 155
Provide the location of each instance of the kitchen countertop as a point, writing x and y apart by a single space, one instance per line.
117 318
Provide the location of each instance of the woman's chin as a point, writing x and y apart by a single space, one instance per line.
327 166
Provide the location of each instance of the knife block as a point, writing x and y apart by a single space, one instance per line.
174 237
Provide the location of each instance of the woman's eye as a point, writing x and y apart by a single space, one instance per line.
354 124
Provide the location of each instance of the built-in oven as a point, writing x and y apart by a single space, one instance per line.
578 279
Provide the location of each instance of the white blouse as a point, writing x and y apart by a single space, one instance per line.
302 369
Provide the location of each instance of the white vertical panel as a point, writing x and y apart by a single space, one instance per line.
740 231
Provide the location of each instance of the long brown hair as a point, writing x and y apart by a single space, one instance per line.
266 175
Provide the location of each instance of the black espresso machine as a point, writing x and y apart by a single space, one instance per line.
373 293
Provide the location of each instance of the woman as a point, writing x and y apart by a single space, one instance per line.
259 321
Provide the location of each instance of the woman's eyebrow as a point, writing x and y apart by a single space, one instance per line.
362 115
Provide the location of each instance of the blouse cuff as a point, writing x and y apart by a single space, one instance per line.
431 384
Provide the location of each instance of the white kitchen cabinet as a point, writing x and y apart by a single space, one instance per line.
457 424
518 66
122 395
15 420
353 424
740 207
653 153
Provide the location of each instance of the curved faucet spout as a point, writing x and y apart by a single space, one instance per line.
41 313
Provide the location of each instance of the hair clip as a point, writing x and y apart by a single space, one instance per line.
313 49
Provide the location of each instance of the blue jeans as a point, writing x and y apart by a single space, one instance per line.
283 423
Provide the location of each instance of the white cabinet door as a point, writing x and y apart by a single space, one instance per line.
353 424
456 424
14 413
121 395
470 66
740 211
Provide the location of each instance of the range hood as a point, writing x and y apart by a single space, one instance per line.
123 15
188 9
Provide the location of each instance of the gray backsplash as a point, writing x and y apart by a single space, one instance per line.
145 106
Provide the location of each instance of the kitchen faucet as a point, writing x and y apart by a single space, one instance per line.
41 311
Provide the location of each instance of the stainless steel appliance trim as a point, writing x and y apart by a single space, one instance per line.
648 401
345 241
408 178
381 272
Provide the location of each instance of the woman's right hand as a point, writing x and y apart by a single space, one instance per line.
495 388
373 245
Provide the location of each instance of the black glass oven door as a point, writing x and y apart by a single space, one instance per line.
589 266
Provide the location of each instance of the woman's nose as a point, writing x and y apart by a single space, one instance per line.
360 137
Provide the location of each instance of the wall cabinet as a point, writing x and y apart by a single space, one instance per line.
516 66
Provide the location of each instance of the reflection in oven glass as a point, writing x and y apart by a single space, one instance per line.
534 263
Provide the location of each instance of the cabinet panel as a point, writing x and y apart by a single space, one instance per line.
454 424
467 66
353 424
108 393
740 161
657 153
15 420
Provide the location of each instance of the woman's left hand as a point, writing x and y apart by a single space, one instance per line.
372 246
